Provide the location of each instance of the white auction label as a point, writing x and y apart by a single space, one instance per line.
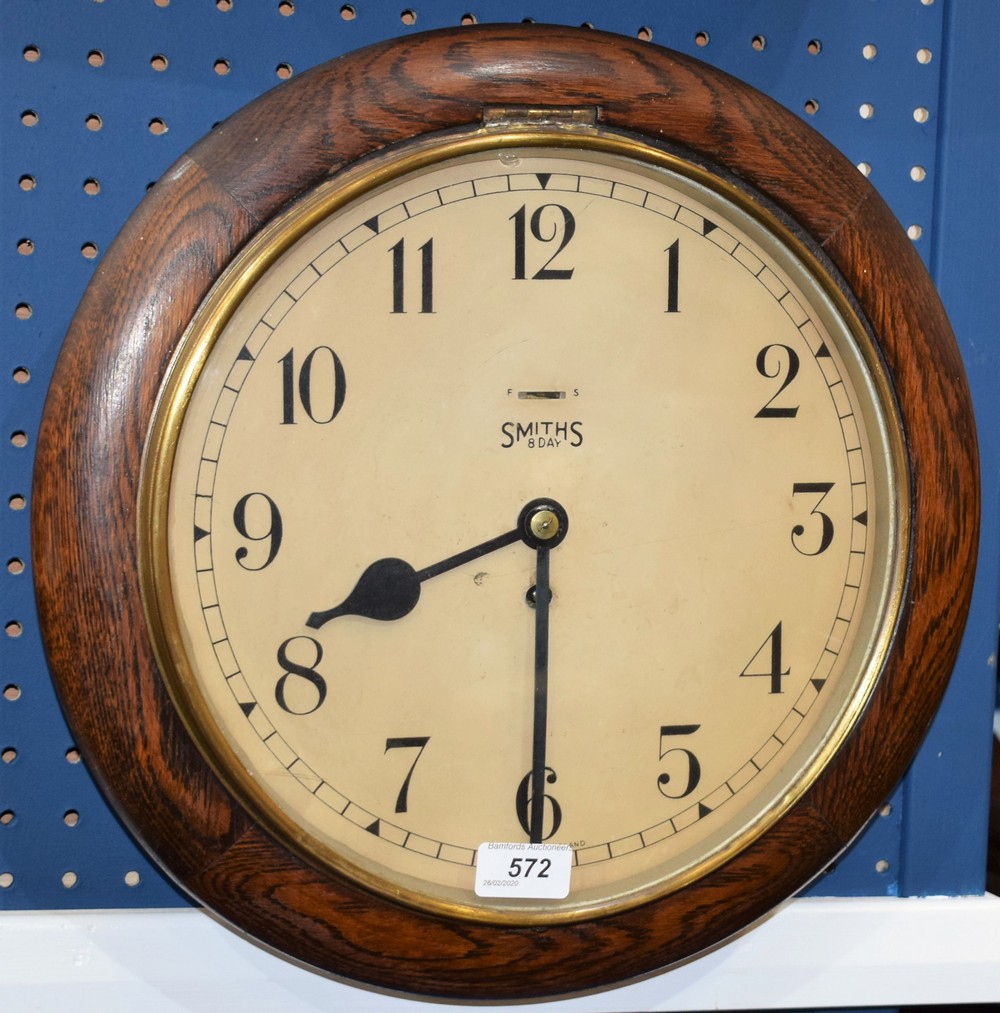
523 870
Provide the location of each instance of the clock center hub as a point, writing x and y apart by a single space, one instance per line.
543 522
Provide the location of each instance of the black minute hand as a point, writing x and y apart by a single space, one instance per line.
390 588
536 816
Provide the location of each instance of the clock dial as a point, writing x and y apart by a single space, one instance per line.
524 491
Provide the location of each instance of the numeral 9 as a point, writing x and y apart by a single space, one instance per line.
272 535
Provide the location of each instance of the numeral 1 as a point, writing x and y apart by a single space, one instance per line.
673 252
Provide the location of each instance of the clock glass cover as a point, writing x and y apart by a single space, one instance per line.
523 490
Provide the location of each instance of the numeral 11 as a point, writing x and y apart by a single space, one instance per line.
426 277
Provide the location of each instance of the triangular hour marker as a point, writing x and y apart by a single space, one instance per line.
245 354
199 533
374 828
818 684
707 227
703 810
824 352
372 223
862 518
543 178
248 708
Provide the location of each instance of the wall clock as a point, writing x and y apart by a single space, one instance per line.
505 512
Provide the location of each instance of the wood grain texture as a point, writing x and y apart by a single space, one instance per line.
103 393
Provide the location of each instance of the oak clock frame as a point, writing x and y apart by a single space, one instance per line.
148 288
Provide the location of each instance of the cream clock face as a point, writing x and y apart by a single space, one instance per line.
523 493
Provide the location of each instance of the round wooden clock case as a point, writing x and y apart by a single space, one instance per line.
436 190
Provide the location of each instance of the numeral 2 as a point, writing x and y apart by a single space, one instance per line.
770 410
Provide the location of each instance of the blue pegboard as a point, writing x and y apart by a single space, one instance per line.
99 97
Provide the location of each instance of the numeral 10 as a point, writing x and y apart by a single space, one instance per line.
320 409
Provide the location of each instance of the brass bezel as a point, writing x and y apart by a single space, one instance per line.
506 130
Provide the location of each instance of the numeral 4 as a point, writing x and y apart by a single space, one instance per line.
768 656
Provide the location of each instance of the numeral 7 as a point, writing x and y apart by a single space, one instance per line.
412 742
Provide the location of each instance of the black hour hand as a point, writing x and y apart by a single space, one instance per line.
389 589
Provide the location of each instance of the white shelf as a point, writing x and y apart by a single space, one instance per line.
814 952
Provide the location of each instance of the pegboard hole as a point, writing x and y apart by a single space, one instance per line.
17 502
91 186
6 880
8 754
23 311
157 126
27 183
348 13
284 71
132 878
95 58
162 3
886 810
866 110
73 755
701 39
644 34
89 251
12 692
882 866
224 5
25 247
94 122
286 8
70 879
29 117
864 168
758 43
71 817
13 628
408 17
15 567
918 174
924 56
159 62
869 51
921 115
468 19
31 53
6 817
915 232
21 375
811 106
814 46
19 438
222 67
